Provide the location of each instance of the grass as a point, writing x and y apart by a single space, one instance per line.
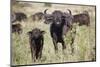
84 44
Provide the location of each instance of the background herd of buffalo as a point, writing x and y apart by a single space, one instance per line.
60 23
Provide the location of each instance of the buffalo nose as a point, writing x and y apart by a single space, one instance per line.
58 23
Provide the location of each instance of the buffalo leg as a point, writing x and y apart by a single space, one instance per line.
55 46
32 54
55 42
40 52
41 47
63 44
37 54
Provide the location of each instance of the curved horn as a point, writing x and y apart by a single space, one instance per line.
69 11
45 11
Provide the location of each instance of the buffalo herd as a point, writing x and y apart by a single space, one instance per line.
60 23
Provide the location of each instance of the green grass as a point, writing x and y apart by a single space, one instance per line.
84 44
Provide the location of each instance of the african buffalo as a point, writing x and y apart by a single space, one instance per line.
82 18
37 16
16 28
36 40
59 24
18 16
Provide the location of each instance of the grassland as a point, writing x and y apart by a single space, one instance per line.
84 44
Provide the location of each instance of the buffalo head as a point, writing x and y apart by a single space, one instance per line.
36 33
57 17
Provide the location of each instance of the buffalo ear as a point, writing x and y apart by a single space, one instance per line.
43 32
29 33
